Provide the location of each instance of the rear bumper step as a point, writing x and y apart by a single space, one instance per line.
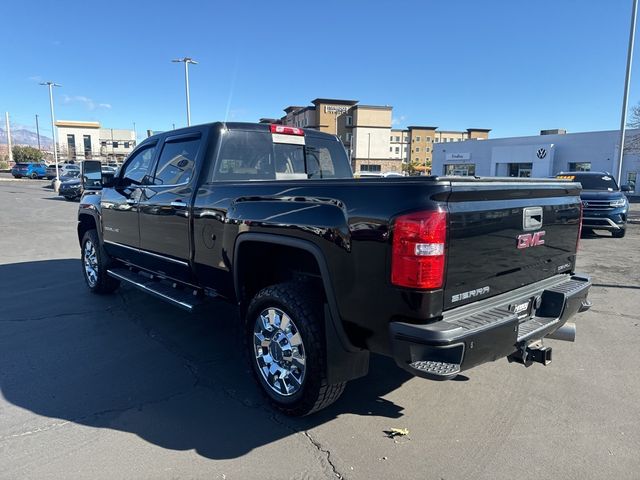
489 330
435 370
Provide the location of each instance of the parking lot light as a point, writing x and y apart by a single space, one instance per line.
186 61
56 184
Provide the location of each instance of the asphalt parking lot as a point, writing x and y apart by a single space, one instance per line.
124 386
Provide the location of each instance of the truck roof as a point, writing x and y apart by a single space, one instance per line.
247 126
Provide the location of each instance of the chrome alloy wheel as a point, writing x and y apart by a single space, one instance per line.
279 351
90 260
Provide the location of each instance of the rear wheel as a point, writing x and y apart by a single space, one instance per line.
619 233
284 338
95 262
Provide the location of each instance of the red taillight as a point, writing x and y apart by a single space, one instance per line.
418 250
286 130
579 228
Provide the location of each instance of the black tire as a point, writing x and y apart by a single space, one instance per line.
619 233
34 176
100 282
17 176
315 393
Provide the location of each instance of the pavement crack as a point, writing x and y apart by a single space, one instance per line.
84 418
326 452
332 471
49 317
190 363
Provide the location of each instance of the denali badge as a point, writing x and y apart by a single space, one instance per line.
527 240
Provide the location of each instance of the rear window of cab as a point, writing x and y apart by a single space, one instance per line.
251 155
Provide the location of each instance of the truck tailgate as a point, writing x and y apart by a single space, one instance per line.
507 233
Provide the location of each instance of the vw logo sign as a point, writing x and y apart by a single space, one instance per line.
585 204
541 153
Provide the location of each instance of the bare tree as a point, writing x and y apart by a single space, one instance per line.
632 144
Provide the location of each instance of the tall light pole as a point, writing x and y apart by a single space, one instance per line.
9 146
186 61
53 130
627 80
38 131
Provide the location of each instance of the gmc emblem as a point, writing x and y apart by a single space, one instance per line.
527 240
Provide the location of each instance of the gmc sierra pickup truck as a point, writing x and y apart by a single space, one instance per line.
440 273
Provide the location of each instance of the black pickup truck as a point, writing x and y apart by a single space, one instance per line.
441 273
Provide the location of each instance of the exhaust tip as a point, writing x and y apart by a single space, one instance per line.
566 332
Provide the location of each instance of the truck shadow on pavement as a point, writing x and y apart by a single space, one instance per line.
129 362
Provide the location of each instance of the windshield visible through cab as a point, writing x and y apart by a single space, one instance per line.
604 183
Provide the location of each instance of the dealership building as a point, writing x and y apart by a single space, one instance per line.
543 155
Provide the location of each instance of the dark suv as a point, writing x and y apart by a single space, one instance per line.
604 205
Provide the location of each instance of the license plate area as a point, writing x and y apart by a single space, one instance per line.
522 308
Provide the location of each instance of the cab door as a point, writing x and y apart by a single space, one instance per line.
119 206
165 205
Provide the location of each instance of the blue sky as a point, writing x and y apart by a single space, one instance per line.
513 66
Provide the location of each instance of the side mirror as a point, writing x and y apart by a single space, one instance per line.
108 180
91 175
626 188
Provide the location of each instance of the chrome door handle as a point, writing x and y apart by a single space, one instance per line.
178 204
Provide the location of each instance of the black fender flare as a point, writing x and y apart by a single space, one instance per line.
344 360
84 211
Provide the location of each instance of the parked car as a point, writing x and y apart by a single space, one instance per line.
71 189
440 273
63 170
69 176
72 186
31 170
604 204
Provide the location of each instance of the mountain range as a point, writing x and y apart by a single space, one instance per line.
22 136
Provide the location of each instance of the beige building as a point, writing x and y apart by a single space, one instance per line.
322 114
369 139
88 140
366 133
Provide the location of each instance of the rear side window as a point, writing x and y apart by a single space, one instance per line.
254 156
177 161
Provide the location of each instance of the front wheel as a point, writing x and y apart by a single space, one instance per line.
284 338
34 176
619 233
94 265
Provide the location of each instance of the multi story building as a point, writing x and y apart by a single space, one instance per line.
88 140
365 131
399 141
322 114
